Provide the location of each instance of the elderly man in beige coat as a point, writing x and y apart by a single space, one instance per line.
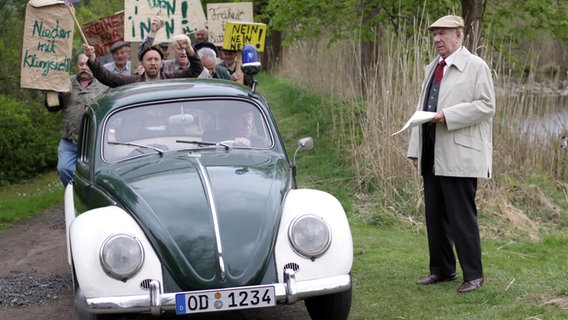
452 151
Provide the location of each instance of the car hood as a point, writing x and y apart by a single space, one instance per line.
173 198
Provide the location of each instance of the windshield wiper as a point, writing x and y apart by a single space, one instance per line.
206 143
160 151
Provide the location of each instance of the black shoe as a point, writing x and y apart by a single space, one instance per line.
434 278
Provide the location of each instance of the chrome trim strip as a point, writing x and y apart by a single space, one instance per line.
167 301
204 176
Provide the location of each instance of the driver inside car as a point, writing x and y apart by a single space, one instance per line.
240 129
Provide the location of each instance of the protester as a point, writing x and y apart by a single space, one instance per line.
202 40
152 62
452 151
121 58
209 59
165 47
230 62
181 60
85 89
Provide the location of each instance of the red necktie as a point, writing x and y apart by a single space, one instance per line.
439 72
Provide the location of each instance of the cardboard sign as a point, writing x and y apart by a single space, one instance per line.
103 33
239 34
47 48
219 13
180 17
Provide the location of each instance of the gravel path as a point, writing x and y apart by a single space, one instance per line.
35 278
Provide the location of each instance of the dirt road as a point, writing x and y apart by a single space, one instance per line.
35 278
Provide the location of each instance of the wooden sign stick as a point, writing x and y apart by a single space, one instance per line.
78 25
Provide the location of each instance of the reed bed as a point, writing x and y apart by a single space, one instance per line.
375 103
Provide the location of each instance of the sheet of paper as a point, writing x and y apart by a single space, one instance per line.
419 117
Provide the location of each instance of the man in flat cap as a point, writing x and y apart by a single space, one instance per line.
121 55
181 58
165 47
452 151
152 61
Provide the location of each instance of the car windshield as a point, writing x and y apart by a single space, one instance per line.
163 127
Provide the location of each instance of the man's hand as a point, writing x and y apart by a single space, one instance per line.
155 26
90 52
439 118
139 70
243 142
186 44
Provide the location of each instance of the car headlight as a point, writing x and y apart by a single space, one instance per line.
122 256
310 236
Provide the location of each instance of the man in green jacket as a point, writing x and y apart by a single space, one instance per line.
85 89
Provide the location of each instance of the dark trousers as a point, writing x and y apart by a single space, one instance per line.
451 218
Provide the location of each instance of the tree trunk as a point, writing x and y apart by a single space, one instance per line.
370 39
472 11
270 58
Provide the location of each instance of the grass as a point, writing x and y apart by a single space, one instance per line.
525 279
21 201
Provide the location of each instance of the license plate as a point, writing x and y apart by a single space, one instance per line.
225 299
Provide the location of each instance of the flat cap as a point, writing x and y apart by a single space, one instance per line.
450 22
143 53
118 45
164 44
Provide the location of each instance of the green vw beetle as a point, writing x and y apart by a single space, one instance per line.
184 201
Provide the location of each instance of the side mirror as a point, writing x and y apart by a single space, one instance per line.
306 143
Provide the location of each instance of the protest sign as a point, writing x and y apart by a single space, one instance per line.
102 33
219 13
180 17
47 46
239 34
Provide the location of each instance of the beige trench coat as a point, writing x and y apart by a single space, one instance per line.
464 145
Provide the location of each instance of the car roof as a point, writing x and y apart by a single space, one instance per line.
143 92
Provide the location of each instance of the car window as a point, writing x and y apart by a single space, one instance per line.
159 127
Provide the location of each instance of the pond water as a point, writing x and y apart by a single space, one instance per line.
547 129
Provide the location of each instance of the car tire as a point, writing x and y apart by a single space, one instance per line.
335 306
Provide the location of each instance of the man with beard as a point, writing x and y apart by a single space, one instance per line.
181 59
151 60
85 89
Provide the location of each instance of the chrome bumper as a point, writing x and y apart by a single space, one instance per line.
157 302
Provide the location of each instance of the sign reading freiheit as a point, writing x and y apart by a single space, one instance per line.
103 33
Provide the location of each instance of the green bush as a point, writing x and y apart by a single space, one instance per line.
28 140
